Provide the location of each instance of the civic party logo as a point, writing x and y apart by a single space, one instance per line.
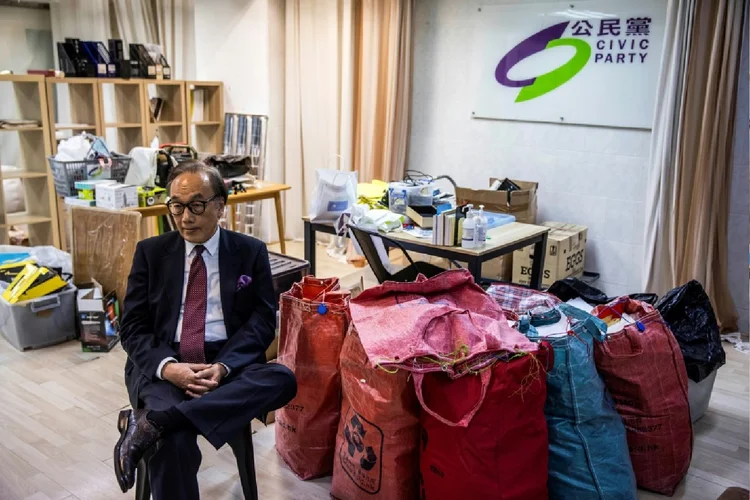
612 45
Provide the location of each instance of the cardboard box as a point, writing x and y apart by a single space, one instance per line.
116 196
74 201
98 318
149 196
87 189
566 255
522 204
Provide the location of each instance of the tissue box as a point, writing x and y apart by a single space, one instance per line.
116 196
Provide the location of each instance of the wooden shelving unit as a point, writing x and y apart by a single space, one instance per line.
78 113
171 126
123 113
29 92
207 133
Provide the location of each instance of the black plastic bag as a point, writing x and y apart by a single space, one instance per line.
688 312
571 288
648 298
230 165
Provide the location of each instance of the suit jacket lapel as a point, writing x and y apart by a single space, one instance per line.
229 273
174 273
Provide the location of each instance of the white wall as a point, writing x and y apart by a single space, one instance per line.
231 45
25 43
240 43
20 49
587 175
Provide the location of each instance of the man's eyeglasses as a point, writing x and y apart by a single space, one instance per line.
197 207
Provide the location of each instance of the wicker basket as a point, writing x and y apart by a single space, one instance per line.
66 173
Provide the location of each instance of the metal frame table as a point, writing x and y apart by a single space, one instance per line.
501 241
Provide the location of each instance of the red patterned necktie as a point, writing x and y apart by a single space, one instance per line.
193 333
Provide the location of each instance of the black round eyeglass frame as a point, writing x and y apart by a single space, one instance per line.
196 207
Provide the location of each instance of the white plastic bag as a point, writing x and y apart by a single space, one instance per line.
335 193
47 256
381 220
142 171
74 149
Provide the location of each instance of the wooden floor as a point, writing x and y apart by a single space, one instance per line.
58 408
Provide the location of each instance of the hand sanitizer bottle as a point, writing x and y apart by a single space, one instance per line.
480 228
468 238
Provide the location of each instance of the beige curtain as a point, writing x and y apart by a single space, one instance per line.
382 82
133 21
697 201
318 98
347 93
175 23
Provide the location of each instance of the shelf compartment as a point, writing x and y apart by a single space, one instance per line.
26 129
122 125
23 175
19 219
75 127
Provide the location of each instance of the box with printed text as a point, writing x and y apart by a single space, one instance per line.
566 255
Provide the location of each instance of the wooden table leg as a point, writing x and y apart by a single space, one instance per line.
231 217
63 217
280 222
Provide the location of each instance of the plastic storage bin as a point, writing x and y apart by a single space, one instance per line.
699 395
66 173
40 322
286 271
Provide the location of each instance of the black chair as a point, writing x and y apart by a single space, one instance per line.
243 452
409 273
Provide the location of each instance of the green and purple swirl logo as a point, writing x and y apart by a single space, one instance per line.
547 38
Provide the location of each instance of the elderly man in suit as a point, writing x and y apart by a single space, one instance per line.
199 314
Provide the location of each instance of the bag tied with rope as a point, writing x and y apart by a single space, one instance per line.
644 370
314 319
588 450
502 452
446 323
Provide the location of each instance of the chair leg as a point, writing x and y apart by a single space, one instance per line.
142 482
243 451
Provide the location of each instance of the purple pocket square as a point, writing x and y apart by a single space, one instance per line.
244 281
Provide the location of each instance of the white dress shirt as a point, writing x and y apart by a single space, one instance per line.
215 328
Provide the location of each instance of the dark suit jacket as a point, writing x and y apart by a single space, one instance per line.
152 305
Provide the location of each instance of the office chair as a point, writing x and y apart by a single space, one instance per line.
243 452
409 273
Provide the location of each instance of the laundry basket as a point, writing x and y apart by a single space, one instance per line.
66 173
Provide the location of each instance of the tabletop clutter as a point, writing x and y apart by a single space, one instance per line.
87 173
423 206
441 389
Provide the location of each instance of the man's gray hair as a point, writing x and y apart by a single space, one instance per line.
198 167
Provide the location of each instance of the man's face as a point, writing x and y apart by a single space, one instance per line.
188 188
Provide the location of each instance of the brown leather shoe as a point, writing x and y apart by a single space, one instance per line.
137 435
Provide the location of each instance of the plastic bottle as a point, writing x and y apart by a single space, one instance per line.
468 236
480 228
